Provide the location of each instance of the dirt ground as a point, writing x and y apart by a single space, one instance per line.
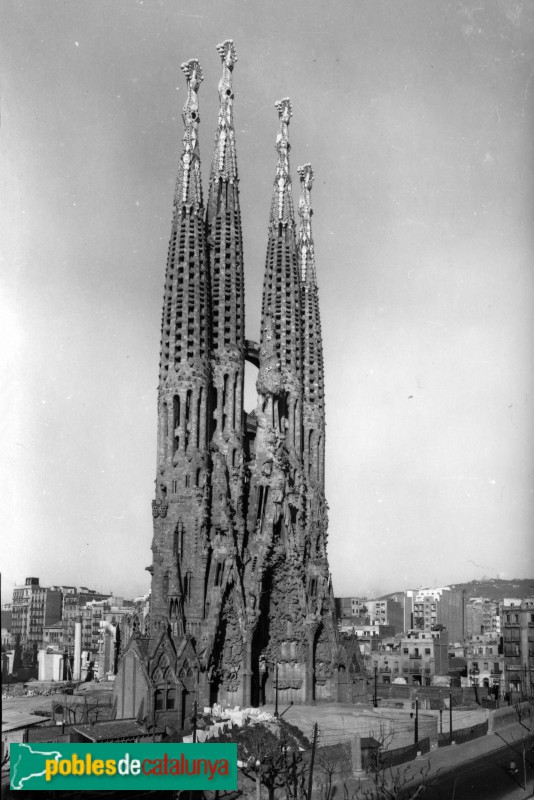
40 702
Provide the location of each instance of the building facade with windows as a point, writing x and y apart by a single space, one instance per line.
485 662
444 606
33 607
517 624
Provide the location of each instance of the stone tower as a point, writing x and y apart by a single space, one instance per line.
242 604
181 510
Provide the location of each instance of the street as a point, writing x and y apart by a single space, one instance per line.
486 778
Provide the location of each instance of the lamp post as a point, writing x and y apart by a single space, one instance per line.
263 670
194 720
450 717
155 717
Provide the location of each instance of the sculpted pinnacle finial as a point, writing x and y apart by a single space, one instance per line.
192 71
188 187
227 53
282 208
306 249
306 176
285 109
224 164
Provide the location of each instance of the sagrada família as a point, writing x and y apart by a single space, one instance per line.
241 603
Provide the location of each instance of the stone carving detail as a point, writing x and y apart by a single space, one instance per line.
224 163
282 206
189 186
228 649
306 247
269 376
159 509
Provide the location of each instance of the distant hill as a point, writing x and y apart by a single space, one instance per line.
493 588
496 589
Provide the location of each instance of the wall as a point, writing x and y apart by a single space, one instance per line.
51 666
133 688
502 717
463 734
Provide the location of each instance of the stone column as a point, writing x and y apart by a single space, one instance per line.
246 672
356 754
77 670
310 666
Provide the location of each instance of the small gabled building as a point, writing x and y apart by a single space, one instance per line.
158 679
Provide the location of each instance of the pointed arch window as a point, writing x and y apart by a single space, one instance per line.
159 700
199 414
187 417
171 699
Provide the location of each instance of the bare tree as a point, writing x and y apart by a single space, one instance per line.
330 763
389 782
520 745
273 761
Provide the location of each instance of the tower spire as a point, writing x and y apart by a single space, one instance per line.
227 479
282 203
180 505
312 346
188 185
306 247
224 162
281 302
225 246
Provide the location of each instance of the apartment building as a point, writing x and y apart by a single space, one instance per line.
517 624
441 606
33 607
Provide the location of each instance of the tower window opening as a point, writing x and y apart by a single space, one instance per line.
199 412
176 421
171 699
213 411
282 413
187 587
187 481
224 397
234 402
165 420
187 417
263 493
218 574
181 537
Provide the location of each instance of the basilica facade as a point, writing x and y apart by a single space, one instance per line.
242 607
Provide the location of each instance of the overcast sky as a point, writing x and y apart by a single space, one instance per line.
417 116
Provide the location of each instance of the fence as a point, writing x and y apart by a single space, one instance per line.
391 758
463 734
437 696
372 757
